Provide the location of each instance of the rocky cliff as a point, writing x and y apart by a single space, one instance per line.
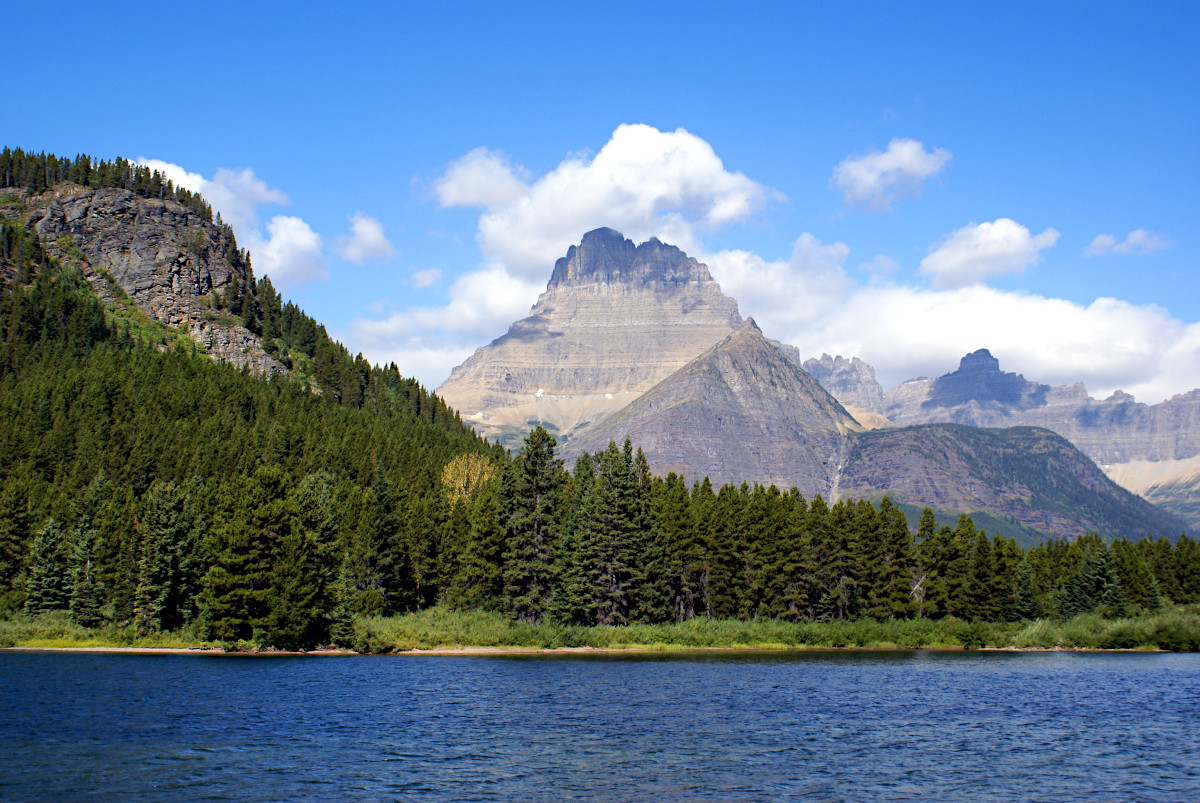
615 320
850 381
166 257
741 411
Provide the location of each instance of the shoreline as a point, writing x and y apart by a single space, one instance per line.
484 651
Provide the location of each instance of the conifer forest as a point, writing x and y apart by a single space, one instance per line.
144 486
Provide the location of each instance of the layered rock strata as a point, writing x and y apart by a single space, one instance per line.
615 320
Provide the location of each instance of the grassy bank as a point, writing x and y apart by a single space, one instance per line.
1173 629
1176 628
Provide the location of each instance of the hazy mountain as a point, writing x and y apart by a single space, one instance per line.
1149 449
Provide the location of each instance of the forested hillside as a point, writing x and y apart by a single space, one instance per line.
146 488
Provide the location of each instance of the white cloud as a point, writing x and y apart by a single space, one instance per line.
880 267
481 178
1139 241
979 250
425 278
482 305
237 194
366 242
643 182
289 251
193 182
877 179
905 331
672 185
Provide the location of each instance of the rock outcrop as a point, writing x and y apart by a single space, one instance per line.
850 381
741 411
615 320
164 256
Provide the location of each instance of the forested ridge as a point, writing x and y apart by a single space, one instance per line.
144 487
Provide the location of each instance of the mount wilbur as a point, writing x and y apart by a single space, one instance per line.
721 400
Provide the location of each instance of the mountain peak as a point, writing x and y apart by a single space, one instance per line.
606 256
616 318
742 410
980 361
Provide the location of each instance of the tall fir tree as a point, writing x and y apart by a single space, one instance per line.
531 503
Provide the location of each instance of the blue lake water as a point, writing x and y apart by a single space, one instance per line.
724 726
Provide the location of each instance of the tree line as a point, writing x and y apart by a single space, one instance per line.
143 486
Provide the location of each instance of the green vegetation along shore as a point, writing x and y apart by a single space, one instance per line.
1175 628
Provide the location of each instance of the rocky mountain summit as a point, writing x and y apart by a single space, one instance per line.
741 411
614 321
165 256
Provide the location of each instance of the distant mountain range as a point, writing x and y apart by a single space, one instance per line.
646 330
1152 450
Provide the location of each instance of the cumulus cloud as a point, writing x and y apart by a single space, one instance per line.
643 182
366 242
483 177
290 252
671 185
979 250
876 179
1139 241
906 331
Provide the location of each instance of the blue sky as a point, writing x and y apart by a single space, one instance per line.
901 184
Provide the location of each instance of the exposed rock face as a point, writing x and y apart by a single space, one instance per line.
850 381
1115 432
164 256
1023 474
741 411
615 319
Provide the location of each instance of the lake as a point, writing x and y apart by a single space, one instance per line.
725 726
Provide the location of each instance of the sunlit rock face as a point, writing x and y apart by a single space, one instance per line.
168 259
614 321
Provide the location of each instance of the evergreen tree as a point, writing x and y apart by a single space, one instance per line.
242 549
892 580
531 502
683 550
1024 604
47 589
163 530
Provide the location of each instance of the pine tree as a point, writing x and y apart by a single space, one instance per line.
242 549
891 591
683 549
1024 604
47 589
531 502
163 529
